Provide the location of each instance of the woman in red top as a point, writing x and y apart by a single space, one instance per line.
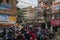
33 36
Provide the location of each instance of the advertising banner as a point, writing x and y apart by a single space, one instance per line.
12 18
4 18
5 6
55 22
7 19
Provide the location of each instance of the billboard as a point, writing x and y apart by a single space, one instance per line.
7 19
4 18
55 22
5 6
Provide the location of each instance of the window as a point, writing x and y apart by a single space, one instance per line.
1 1
59 7
58 16
7 1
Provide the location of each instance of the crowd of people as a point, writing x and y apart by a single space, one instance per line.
33 32
28 32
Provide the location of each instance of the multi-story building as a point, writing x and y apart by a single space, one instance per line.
56 12
52 9
7 12
28 13
38 16
41 18
56 8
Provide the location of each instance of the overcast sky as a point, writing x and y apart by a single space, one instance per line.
28 3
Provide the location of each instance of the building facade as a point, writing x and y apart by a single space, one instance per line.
56 8
56 12
40 11
28 13
48 10
7 12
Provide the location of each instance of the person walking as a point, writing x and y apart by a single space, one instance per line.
4 34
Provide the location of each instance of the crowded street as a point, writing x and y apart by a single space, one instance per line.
29 19
29 32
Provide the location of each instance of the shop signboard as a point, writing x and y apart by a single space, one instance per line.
4 17
12 18
7 19
5 6
55 22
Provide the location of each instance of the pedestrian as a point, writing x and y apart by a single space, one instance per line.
40 37
11 35
20 36
32 34
4 34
